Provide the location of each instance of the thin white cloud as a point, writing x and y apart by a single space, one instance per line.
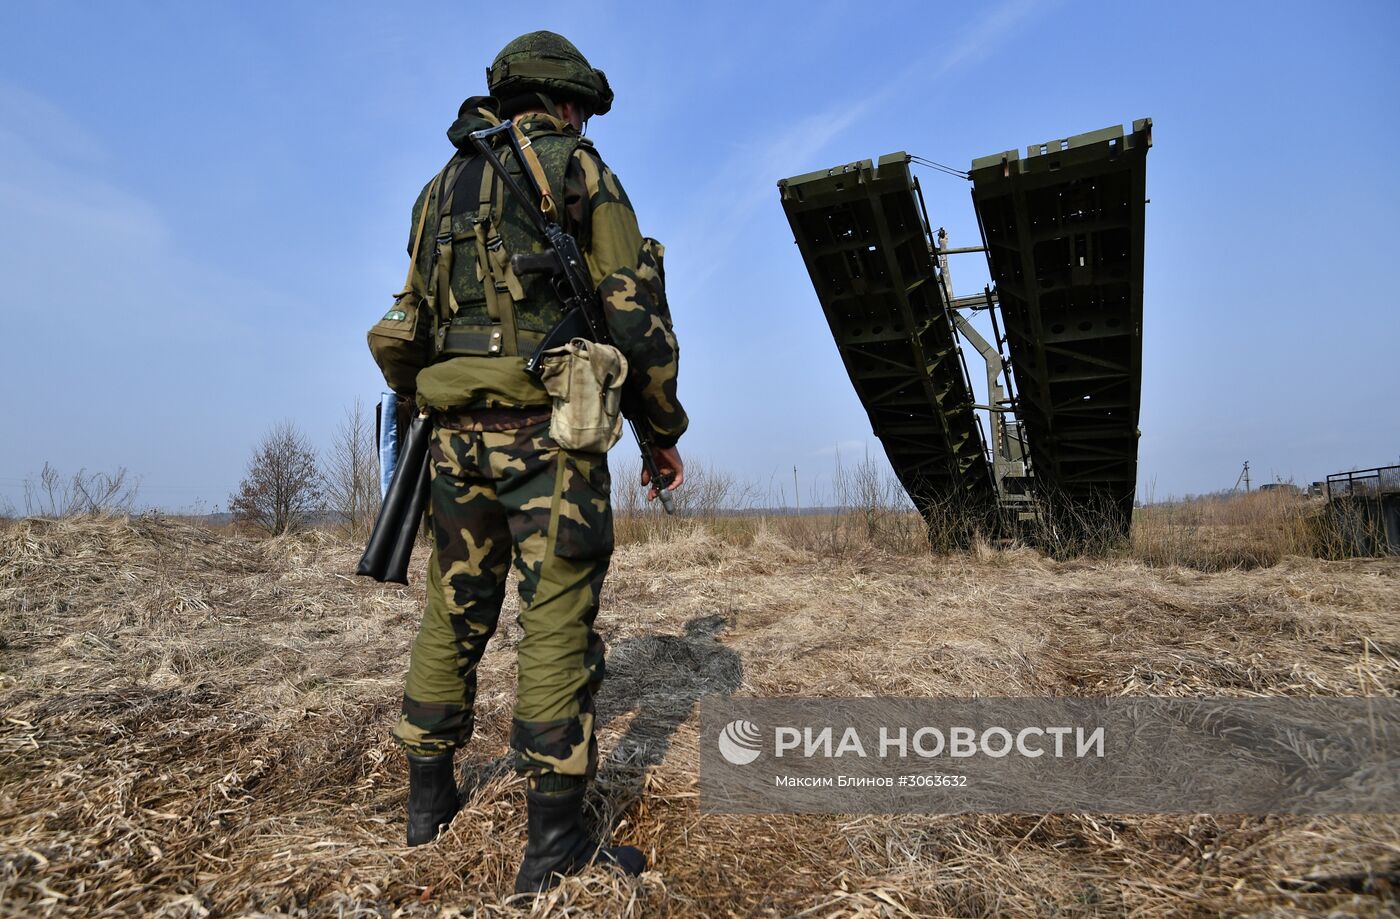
161 348
745 182
986 33
38 123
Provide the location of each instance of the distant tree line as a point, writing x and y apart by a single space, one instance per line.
288 485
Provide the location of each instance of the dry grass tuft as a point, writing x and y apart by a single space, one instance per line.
197 724
1234 531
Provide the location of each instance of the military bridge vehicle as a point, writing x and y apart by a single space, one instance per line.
1062 233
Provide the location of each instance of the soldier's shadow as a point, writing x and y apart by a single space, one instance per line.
661 677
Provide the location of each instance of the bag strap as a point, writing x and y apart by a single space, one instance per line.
440 294
500 284
418 234
481 228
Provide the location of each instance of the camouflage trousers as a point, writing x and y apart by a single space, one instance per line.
503 490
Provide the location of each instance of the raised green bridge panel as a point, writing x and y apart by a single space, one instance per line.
862 234
1063 229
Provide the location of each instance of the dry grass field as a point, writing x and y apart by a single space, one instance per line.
196 724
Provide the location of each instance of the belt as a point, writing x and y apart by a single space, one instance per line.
490 419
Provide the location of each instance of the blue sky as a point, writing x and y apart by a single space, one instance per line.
204 206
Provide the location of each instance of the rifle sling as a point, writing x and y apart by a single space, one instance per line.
418 233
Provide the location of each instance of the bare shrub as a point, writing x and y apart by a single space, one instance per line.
874 511
281 492
709 497
633 520
636 520
54 495
352 474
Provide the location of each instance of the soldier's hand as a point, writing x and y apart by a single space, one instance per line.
668 461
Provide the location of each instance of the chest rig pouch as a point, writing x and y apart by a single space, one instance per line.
484 309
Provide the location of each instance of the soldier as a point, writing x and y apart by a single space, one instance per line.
503 489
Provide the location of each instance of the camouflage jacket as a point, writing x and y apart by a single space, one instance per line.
626 268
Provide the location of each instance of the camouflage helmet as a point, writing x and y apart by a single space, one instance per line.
546 62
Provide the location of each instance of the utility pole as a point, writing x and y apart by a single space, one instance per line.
1244 477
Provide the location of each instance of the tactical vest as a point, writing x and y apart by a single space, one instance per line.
480 306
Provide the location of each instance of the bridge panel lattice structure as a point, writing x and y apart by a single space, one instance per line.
1063 229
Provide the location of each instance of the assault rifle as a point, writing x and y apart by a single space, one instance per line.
568 274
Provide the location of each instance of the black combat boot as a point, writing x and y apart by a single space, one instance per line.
558 843
432 796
